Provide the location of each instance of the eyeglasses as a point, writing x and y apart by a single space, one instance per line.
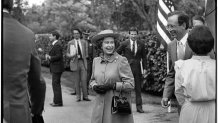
170 26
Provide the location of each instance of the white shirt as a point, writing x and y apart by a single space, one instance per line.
196 77
80 45
131 45
54 42
183 41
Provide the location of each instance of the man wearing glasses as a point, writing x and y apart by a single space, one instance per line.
76 51
178 24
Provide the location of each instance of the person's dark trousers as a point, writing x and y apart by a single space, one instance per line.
89 71
56 85
137 77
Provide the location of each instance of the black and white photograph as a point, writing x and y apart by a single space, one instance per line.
109 61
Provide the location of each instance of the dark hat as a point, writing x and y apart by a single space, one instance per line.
86 32
103 34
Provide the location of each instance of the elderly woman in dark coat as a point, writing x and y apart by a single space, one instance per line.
111 73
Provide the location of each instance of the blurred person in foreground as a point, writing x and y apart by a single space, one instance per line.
135 52
195 79
111 73
23 86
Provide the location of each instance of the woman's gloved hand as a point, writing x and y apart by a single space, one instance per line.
109 86
99 89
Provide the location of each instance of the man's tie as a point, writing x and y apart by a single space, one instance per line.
79 50
180 48
133 47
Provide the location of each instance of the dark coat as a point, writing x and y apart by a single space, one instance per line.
56 61
21 71
134 60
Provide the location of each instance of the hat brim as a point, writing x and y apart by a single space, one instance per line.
101 36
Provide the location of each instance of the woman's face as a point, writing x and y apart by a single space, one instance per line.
108 45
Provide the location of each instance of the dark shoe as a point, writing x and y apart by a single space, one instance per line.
86 99
140 111
78 100
74 93
56 105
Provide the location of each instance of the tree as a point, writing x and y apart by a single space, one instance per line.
62 15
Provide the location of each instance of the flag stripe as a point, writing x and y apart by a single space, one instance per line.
163 34
162 18
163 28
162 11
163 5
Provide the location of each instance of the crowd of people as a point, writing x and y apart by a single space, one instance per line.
109 67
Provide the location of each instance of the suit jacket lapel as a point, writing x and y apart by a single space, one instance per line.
174 51
188 52
52 46
138 47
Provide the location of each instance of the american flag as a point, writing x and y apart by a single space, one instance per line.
164 7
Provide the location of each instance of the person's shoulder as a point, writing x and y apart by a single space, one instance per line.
22 28
97 59
124 42
120 57
83 40
179 63
71 41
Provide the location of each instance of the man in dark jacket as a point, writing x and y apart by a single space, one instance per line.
23 85
56 67
134 51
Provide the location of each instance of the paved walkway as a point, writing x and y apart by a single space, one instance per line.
80 112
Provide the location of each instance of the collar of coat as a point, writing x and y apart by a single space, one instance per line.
113 57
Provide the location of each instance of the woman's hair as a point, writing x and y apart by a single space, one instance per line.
200 40
100 42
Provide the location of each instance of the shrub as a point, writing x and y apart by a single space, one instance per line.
157 65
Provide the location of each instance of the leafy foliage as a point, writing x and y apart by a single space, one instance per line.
156 64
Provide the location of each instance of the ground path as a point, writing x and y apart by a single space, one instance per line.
80 112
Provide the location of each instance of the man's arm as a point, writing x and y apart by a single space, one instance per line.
169 82
144 53
120 49
58 54
36 85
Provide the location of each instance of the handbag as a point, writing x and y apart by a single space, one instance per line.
120 104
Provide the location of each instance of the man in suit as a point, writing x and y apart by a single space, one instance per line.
134 51
23 85
76 51
90 54
56 67
178 24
